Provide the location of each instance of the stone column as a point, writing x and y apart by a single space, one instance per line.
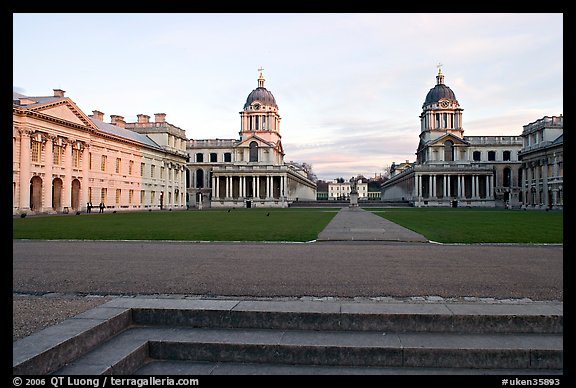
545 183
67 184
243 186
257 190
447 177
48 167
217 186
25 163
268 180
538 200
434 192
86 176
214 186
430 192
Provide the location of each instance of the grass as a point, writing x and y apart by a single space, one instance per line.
465 225
205 225
447 225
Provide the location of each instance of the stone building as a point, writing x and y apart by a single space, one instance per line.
250 171
341 190
452 169
63 159
542 169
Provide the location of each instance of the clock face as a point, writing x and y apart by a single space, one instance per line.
256 106
444 104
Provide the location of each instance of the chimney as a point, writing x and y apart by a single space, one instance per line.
59 93
143 119
118 120
98 115
159 117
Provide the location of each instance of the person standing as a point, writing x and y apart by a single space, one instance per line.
101 207
89 207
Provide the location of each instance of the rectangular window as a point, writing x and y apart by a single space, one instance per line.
142 193
90 161
152 171
89 194
75 157
162 172
130 167
103 163
142 165
199 158
36 147
491 155
506 155
213 157
153 199
130 196
103 194
118 162
118 194
57 154
227 157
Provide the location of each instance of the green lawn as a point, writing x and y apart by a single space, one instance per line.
206 225
461 225
465 225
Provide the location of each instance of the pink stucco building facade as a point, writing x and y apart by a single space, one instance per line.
64 159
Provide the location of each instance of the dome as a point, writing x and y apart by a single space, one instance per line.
439 92
262 95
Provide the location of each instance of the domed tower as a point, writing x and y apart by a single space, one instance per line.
441 112
260 116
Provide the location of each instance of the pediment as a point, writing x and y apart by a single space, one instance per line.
261 142
442 139
65 110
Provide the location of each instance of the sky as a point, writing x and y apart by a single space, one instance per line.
349 86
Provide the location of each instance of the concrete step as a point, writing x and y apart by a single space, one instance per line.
128 351
123 335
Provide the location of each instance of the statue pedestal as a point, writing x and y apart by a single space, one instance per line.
353 199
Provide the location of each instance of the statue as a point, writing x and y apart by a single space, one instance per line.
353 193
353 185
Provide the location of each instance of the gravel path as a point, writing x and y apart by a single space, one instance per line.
32 313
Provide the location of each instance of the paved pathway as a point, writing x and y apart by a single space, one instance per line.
356 224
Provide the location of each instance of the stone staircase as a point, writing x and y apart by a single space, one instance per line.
168 336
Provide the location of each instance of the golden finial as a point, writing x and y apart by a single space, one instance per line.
439 66
260 70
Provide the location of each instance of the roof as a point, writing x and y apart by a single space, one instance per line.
262 95
123 132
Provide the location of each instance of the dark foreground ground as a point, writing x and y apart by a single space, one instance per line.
322 269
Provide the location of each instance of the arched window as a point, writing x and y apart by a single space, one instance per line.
253 151
199 179
491 155
449 151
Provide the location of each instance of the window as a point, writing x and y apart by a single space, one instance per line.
103 194
118 194
142 194
152 171
449 151
90 161
199 158
75 157
103 163
227 157
161 172
506 155
118 163
57 152
130 167
253 152
142 165
476 156
213 157
199 179
36 147
130 196
507 177
491 155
